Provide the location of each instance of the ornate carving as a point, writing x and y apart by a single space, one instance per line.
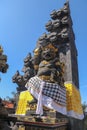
28 70
3 59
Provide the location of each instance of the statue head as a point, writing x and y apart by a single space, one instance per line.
49 52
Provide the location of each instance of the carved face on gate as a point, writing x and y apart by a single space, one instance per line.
49 52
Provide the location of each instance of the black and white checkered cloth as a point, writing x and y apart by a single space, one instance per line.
52 90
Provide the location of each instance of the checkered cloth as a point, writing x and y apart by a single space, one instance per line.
52 90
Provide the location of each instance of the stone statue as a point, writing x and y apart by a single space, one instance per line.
51 75
48 75
49 67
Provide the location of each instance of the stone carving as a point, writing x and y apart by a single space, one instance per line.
49 67
46 62
54 61
28 70
3 61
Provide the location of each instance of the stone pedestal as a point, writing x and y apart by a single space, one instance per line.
51 121
40 126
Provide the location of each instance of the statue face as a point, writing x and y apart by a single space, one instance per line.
48 53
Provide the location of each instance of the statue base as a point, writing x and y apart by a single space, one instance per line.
53 121
50 121
60 124
40 126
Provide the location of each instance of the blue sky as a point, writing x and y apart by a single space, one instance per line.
22 22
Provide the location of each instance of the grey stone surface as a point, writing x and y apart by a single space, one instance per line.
75 124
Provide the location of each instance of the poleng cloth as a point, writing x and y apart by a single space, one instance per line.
53 95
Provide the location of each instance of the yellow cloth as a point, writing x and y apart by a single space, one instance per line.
73 99
22 103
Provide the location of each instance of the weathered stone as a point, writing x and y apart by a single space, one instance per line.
53 50
3 61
